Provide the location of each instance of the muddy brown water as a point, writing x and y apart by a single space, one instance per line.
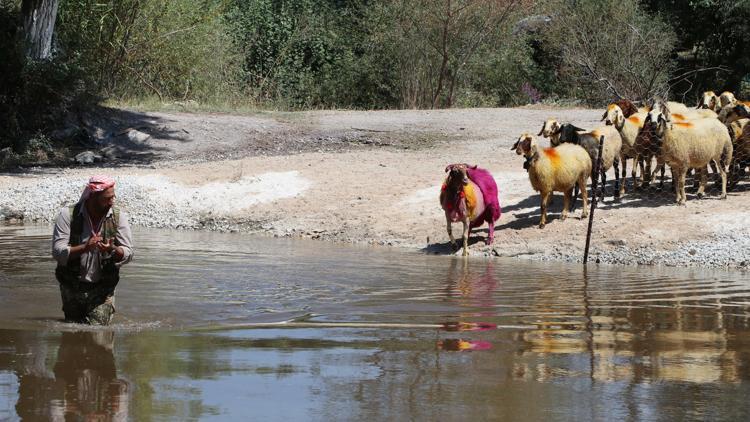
232 327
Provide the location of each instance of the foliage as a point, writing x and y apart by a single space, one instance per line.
712 35
133 48
610 48
35 96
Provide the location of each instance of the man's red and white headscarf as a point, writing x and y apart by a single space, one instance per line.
97 184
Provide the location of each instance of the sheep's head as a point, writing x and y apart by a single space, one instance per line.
525 145
658 108
457 176
708 100
569 133
627 107
549 128
656 122
614 116
727 98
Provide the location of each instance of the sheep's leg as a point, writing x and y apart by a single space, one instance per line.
679 175
566 203
545 198
648 177
467 229
450 232
702 182
617 179
723 172
715 170
491 229
624 177
603 185
637 181
584 195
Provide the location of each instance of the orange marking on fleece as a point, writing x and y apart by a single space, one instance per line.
634 120
684 124
611 106
553 156
678 116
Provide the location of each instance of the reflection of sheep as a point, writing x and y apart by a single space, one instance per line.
556 169
469 195
611 149
692 144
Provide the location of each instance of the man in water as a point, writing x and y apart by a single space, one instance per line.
90 242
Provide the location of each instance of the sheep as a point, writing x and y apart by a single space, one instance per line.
589 140
469 195
741 153
726 98
551 130
692 144
709 101
732 112
556 169
629 128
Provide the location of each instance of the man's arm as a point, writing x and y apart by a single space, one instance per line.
61 249
124 251
61 237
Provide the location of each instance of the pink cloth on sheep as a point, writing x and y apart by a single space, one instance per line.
486 183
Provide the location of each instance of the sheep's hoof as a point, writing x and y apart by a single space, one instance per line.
563 217
466 253
541 225
454 246
724 196
700 195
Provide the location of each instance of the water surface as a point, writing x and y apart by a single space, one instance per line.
370 333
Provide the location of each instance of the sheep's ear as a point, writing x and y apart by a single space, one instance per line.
448 168
556 128
515 146
604 116
541 131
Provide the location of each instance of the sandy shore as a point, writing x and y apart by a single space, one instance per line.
373 177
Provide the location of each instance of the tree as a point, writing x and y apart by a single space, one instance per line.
611 48
38 26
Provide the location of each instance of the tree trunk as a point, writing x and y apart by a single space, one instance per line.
38 26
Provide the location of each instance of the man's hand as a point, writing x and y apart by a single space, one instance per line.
92 243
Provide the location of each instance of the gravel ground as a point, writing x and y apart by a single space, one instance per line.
374 178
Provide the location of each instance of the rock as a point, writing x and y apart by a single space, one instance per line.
63 134
692 252
137 136
617 242
87 157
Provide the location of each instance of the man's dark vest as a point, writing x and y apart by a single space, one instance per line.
71 273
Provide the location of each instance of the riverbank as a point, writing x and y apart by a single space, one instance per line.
371 177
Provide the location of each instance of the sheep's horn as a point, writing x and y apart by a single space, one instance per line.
541 131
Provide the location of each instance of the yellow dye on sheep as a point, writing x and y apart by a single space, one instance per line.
471 200
684 124
635 120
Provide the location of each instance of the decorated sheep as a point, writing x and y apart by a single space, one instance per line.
469 195
556 169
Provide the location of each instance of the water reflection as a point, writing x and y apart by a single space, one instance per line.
83 384
378 335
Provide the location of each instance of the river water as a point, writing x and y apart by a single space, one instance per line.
232 327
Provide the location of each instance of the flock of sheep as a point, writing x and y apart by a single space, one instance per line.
715 133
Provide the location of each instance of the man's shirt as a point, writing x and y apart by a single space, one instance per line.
90 265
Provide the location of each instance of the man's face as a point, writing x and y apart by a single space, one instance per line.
104 200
